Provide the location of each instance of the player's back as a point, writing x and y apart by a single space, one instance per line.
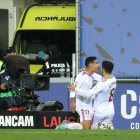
104 100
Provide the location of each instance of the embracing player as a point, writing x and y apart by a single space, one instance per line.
103 92
85 80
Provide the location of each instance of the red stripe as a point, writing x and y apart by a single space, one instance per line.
83 115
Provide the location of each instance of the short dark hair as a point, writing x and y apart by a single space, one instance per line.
10 50
89 60
108 66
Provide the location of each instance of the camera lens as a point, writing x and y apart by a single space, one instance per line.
40 83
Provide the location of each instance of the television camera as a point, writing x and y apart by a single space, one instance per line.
23 83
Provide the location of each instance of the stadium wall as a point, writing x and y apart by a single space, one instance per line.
110 30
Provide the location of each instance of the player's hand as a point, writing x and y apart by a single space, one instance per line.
3 86
72 87
73 107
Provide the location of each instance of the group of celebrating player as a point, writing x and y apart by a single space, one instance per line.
93 101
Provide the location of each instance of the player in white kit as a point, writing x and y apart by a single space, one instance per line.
85 80
103 92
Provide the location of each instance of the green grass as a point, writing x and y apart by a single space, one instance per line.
42 134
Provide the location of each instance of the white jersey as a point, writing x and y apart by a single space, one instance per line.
85 82
104 92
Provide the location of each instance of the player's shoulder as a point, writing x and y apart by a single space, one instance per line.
113 81
80 75
109 80
114 78
97 76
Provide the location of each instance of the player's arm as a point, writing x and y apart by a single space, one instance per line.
72 102
97 77
100 86
73 94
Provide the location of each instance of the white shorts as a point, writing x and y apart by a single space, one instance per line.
103 116
85 114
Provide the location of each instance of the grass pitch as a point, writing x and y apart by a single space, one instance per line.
44 134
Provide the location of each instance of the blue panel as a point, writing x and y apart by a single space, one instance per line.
111 30
57 92
127 114
124 120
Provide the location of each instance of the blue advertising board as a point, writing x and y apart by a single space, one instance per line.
126 102
110 30
127 106
57 92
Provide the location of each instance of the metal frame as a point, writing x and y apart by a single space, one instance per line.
53 1
77 36
129 80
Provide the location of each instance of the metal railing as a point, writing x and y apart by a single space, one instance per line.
128 80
